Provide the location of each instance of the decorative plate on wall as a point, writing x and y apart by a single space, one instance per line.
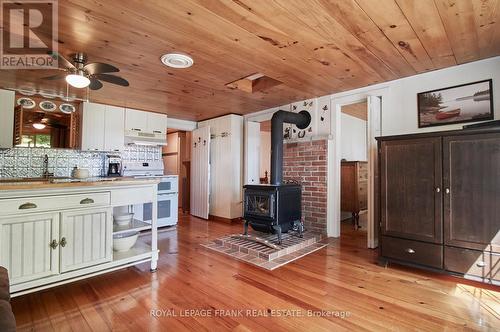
67 108
26 103
47 106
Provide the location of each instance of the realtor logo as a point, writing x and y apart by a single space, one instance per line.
28 34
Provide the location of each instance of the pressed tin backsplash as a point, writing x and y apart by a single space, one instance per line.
28 162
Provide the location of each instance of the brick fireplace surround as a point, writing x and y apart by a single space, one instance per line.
306 162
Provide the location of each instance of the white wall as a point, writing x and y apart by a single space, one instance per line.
399 110
265 153
7 103
353 138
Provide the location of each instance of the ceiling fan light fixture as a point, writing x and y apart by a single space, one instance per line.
177 60
39 125
78 81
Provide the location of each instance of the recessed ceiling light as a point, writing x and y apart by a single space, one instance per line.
177 60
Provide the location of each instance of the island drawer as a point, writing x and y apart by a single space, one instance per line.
24 205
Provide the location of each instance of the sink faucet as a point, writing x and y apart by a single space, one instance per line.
46 173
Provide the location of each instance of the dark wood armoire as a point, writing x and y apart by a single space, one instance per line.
440 201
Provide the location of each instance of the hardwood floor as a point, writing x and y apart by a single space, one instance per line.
342 278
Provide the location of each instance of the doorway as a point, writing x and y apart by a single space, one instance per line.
354 175
265 152
177 160
375 98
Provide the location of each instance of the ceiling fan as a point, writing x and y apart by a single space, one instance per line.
81 74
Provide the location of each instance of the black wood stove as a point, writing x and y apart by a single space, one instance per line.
277 207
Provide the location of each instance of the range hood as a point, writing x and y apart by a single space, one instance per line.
133 137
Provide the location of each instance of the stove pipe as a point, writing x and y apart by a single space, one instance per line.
301 120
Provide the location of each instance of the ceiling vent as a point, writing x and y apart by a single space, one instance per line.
253 83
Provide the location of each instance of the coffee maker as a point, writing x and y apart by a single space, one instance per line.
113 165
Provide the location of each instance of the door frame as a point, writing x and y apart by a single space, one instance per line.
334 160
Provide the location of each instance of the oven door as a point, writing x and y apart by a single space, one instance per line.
167 210
168 185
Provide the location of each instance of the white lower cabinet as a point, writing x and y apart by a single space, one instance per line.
29 248
85 238
41 245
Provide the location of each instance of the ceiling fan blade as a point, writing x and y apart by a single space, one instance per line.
112 79
94 84
99 68
54 77
61 60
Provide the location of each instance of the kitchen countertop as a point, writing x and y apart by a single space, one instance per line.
20 184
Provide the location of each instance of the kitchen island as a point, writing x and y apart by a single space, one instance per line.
56 231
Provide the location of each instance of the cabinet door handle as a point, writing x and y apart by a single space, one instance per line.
87 201
136 129
63 242
447 190
410 251
156 131
438 190
480 264
53 244
27 206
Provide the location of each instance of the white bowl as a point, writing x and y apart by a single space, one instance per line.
123 219
124 241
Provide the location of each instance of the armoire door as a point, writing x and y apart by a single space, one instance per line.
472 191
411 201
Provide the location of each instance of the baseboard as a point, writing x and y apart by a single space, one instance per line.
224 220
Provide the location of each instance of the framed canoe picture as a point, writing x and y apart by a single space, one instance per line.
469 102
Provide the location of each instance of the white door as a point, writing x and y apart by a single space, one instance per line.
252 152
114 125
374 130
85 238
93 127
200 172
29 246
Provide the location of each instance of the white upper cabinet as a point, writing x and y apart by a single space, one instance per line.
136 120
145 121
114 130
102 127
93 116
157 123
7 103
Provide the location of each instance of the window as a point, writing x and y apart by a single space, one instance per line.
35 141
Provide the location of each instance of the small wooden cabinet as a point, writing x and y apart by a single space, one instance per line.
354 188
439 195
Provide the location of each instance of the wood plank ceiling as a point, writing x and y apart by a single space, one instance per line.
314 47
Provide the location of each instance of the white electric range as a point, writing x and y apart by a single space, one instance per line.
168 192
